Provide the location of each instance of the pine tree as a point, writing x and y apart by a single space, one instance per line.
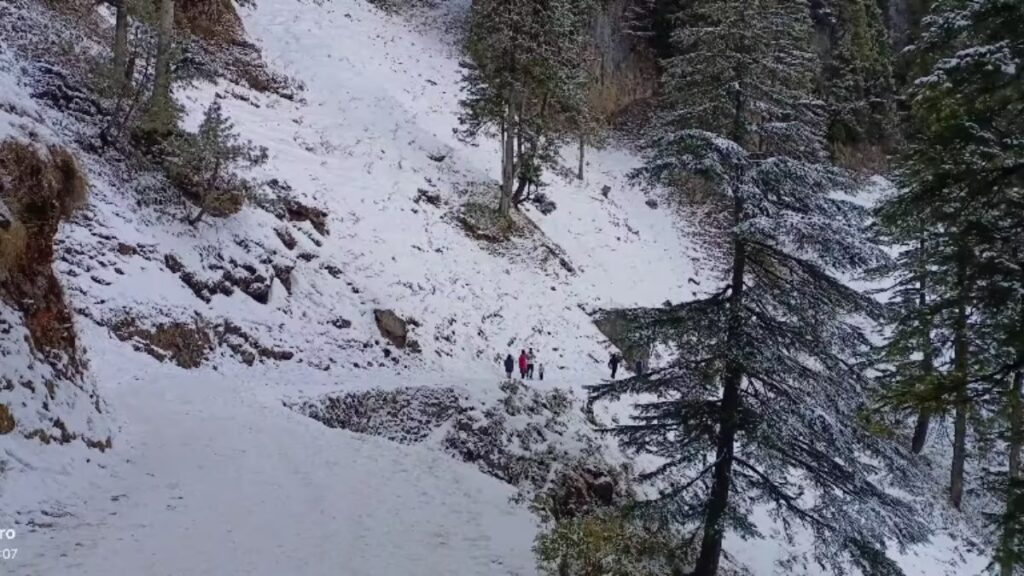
759 407
907 361
859 90
120 62
160 115
205 165
525 77
962 177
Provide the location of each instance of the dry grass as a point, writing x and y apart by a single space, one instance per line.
865 159
215 21
13 241
40 187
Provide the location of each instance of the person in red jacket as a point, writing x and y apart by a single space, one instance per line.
522 364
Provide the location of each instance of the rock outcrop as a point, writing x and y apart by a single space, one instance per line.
45 390
392 327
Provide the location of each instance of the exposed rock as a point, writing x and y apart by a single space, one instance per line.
651 203
432 198
405 415
333 270
523 439
283 272
543 203
286 208
341 323
392 327
186 344
56 87
606 190
41 188
246 347
173 263
286 237
624 70
39 349
249 280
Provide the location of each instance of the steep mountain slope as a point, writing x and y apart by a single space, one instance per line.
206 448
210 474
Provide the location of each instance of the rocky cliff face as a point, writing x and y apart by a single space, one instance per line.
625 69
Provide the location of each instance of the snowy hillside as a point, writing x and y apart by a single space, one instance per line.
210 473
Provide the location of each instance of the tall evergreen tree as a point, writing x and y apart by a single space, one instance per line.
961 179
160 114
759 408
858 75
525 79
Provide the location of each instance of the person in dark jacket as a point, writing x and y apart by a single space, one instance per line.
638 367
613 363
522 364
510 365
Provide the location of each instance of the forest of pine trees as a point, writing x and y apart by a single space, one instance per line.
791 392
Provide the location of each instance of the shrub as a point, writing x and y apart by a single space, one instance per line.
608 543
204 166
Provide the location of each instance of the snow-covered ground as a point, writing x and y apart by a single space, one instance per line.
210 474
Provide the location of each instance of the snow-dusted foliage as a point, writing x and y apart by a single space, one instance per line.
958 215
526 80
759 409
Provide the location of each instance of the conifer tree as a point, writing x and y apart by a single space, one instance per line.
120 63
160 114
859 90
205 165
759 408
962 178
524 79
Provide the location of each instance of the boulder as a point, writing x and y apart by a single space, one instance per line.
392 327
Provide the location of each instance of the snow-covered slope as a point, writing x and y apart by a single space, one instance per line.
210 474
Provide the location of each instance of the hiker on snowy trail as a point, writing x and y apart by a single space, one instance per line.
529 364
638 367
540 371
613 363
510 365
522 364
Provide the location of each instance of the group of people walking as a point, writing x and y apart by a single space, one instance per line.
527 364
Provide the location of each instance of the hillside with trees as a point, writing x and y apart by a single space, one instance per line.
531 287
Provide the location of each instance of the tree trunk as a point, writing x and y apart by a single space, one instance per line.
508 168
162 77
517 196
583 142
711 545
1016 422
960 351
121 43
924 416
